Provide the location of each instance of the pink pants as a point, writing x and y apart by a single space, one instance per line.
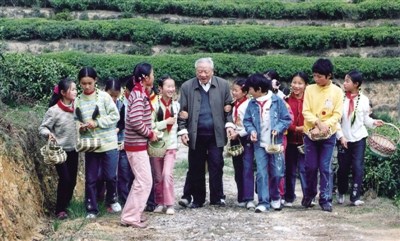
141 187
163 178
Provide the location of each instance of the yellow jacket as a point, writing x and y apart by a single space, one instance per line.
323 103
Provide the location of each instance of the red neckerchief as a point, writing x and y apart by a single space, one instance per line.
237 104
64 107
351 102
139 87
167 112
89 92
261 104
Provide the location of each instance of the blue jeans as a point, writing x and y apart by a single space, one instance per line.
270 169
101 165
244 173
318 157
352 159
294 161
125 176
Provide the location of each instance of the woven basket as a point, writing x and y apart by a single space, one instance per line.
157 148
53 153
274 148
383 145
234 150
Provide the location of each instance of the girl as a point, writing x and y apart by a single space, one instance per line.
353 136
243 164
58 124
98 116
137 133
125 176
266 117
295 159
164 118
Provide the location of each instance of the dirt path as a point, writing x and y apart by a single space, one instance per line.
377 220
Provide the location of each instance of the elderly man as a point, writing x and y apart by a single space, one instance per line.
206 99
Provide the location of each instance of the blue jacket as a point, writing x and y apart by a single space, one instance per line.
279 118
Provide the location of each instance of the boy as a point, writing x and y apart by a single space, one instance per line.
266 117
322 111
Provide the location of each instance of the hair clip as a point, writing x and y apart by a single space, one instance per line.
56 90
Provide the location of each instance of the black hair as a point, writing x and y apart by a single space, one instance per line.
242 83
162 79
141 70
271 74
87 72
356 76
302 75
113 84
160 113
63 85
323 66
258 81
127 81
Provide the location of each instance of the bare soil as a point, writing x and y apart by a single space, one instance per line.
378 219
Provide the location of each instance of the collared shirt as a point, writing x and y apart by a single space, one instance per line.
206 86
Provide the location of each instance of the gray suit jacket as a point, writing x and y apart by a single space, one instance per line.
190 101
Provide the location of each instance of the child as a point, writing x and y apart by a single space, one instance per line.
294 160
322 110
353 136
266 117
243 163
125 175
58 124
98 115
164 118
137 133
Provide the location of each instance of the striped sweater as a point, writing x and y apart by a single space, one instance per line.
106 121
138 122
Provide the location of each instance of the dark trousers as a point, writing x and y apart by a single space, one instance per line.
206 151
352 159
67 173
318 157
244 173
99 166
294 161
125 177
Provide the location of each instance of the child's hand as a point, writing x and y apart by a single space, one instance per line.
323 128
170 120
253 136
378 123
230 132
52 137
300 129
234 136
343 141
91 124
183 115
83 127
154 137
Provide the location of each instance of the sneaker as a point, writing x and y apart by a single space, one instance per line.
195 205
288 204
358 202
327 207
250 205
313 203
261 209
340 198
306 202
62 215
276 204
149 208
114 208
241 204
283 201
170 211
184 202
91 216
220 203
159 209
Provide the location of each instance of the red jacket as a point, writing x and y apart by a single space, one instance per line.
297 108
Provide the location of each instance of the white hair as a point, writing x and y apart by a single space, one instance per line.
207 60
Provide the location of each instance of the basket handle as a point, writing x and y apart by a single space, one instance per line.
394 126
